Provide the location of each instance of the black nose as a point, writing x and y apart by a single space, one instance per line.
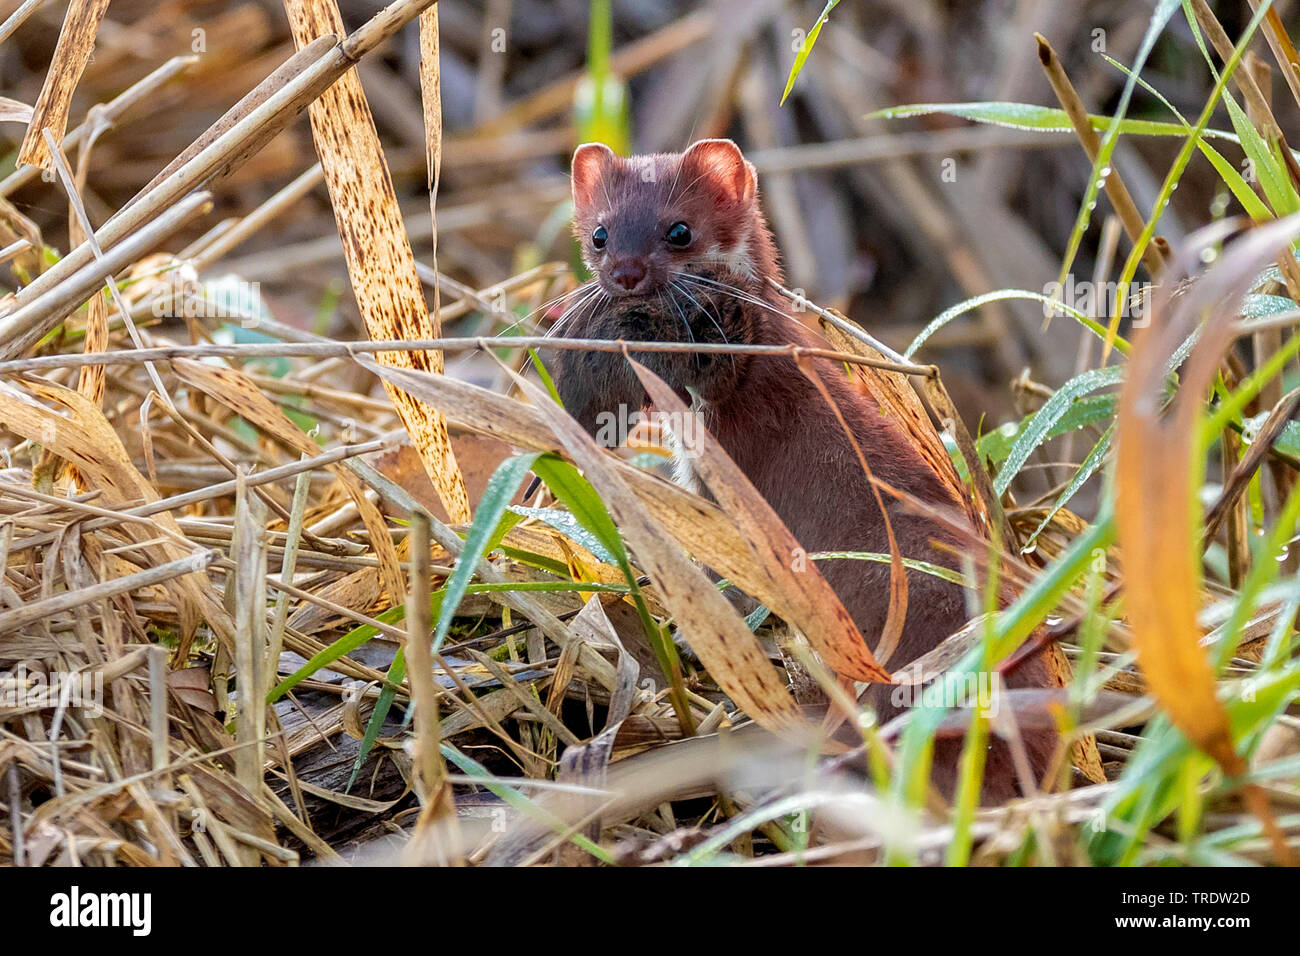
628 273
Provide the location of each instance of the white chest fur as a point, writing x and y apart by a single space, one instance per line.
682 435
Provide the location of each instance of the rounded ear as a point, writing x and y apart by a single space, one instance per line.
590 160
720 164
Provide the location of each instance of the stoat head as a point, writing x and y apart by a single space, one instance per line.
641 219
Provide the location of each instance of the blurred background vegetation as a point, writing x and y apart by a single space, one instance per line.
890 221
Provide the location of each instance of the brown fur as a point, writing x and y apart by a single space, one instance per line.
767 415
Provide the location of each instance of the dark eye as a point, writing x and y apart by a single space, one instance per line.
599 237
679 234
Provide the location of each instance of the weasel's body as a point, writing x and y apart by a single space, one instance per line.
681 252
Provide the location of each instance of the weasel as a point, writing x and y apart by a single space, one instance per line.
681 252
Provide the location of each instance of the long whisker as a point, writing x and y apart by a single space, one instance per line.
547 305
682 289
589 306
592 293
678 309
734 291
696 303
590 298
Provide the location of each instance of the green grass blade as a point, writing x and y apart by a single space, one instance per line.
1227 172
802 56
961 308
1027 116
1083 412
1182 159
568 525
576 493
501 487
1053 410
394 677
1085 471
1164 10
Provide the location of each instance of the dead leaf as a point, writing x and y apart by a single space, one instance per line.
11 111
1158 513
804 599
717 633
380 262
71 54
85 439
238 393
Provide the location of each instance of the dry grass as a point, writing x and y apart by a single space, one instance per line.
239 534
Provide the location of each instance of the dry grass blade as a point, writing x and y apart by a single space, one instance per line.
85 439
248 605
436 835
378 253
252 117
20 617
11 111
76 41
245 129
1119 195
1283 49
18 17
234 390
1245 469
804 599
717 633
37 314
431 101
1158 515
106 113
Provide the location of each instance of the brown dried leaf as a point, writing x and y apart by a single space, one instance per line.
1158 515
86 440
804 599
378 252
71 54
717 633
11 111
238 393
